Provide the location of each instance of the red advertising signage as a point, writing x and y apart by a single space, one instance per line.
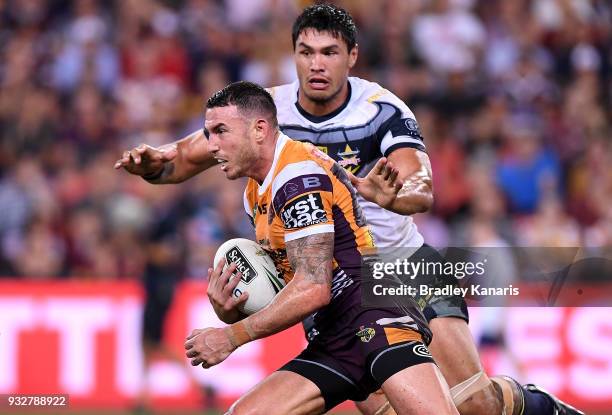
84 339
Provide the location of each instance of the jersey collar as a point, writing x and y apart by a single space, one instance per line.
280 144
317 119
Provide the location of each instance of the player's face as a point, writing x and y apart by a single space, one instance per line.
323 63
230 140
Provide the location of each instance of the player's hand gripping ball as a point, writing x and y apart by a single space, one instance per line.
259 275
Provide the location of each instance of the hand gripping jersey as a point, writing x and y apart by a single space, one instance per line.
371 124
306 193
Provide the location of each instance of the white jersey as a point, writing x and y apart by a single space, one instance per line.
372 123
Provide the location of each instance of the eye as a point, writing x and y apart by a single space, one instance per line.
330 52
305 53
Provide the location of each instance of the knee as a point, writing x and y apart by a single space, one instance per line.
484 402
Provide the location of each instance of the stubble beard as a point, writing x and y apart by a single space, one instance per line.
247 160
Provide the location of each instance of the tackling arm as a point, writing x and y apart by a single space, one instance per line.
402 143
400 183
415 177
192 157
170 163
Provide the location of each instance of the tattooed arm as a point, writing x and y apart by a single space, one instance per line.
309 290
170 163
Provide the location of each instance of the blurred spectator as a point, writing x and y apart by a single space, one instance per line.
449 37
40 252
590 182
448 165
164 269
527 169
549 227
600 234
513 98
86 56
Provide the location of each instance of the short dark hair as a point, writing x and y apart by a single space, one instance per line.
326 18
249 97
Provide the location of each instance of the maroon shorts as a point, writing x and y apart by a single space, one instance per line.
353 350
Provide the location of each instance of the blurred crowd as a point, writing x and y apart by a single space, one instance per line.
513 98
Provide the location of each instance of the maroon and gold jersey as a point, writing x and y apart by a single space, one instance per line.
306 193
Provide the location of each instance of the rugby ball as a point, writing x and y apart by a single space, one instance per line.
259 275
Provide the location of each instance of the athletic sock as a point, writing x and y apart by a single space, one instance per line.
537 403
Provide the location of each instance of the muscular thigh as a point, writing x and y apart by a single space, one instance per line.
455 353
453 349
419 389
281 393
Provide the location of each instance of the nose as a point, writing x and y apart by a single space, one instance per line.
213 145
316 64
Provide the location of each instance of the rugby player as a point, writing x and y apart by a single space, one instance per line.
305 214
359 123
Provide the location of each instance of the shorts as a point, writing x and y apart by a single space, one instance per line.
353 355
159 295
445 305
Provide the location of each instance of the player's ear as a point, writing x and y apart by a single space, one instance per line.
353 56
261 127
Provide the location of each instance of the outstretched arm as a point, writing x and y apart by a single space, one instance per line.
170 163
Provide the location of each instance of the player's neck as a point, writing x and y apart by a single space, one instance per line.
323 108
264 163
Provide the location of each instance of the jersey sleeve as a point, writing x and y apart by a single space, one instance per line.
401 129
247 207
302 199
